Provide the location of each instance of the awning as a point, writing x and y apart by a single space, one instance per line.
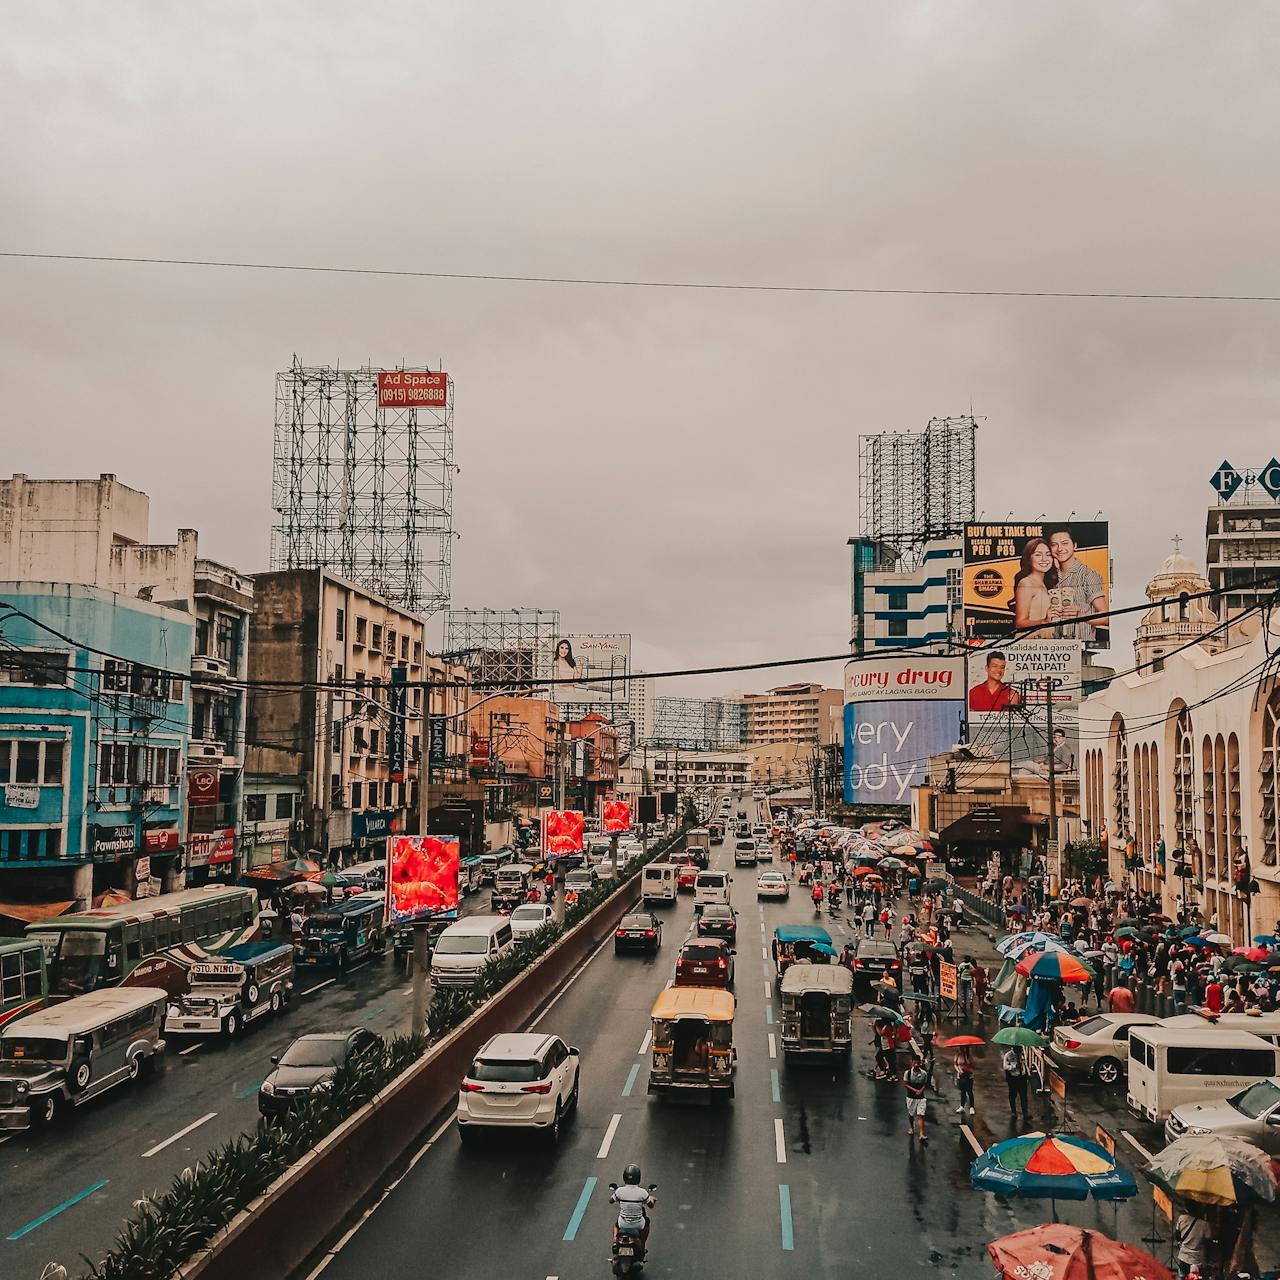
274 872
30 912
990 827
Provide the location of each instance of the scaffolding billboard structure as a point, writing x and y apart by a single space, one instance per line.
364 490
698 724
503 649
918 486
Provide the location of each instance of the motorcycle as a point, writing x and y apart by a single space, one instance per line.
628 1252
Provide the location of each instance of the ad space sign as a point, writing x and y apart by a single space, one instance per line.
898 712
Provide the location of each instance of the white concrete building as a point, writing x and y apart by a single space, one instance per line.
892 607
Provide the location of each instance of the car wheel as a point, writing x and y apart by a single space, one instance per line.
465 1135
573 1097
277 1003
135 1067
553 1133
50 1108
231 1027
1107 1071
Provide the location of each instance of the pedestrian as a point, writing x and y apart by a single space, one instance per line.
964 974
849 888
869 920
981 980
885 917
882 1039
791 865
1120 999
964 1080
1015 1078
1213 996
915 1080
1194 1239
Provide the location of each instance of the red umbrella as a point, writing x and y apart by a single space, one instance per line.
961 1042
1251 953
1060 1251
866 871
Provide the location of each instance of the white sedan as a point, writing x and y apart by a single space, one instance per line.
772 884
528 919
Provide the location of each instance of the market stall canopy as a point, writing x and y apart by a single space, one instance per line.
31 912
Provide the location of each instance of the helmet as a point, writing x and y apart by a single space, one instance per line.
631 1175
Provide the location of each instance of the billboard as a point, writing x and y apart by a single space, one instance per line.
898 712
592 668
647 809
667 803
412 389
1039 574
424 878
1009 696
615 815
562 832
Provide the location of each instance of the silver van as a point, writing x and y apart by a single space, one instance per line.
67 1054
466 946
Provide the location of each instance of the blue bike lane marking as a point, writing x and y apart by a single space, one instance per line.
580 1210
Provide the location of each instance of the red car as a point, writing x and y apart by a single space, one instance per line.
687 878
705 963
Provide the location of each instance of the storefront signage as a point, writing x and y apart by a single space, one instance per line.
377 822
18 795
211 848
437 743
396 728
203 787
160 839
112 842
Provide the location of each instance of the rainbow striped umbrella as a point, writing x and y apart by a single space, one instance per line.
1053 1166
1214 1169
1056 966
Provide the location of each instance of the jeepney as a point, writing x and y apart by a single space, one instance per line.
510 886
233 988
692 1051
716 832
800 943
470 870
346 931
817 1003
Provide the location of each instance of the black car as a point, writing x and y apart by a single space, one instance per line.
307 1063
640 931
875 959
718 920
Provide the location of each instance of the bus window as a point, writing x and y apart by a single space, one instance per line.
148 933
11 984
132 944
1220 1062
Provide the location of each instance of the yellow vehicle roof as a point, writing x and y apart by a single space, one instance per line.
695 1002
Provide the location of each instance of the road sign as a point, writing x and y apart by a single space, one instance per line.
1104 1140
1057 1084
1163 1203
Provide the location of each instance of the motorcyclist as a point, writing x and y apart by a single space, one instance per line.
633 1203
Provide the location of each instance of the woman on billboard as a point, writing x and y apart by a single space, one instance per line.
566 666
1035 579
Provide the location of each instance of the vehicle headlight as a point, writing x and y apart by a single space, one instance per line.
1194 1128
326 1083
23 1086
268 1088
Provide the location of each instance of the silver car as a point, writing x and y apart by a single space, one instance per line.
1252 1114
1098 1046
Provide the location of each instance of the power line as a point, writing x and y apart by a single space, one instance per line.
619 282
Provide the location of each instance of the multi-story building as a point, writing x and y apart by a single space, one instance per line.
895 607
592 759
803 713
673 769
640 708
96 532
1242 540
519 741
353 732
92 749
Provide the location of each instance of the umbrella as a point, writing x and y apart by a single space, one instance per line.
882 1013
1064 1252
1267 939
892 864
961 1042
936 884
1030 937
1250 953
859 872
1019 1035
1214 1170
1082 902
1057 966
1054 1166
305 887
1109 887
305 865
826 948
1016 909
1217 939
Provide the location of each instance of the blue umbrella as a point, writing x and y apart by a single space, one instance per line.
1056 1166
1267 939
823 948
1199 942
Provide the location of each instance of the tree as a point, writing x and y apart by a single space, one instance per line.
690 812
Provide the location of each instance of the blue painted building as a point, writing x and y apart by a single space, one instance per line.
893 606
93 749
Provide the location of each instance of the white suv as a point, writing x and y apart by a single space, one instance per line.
519 1080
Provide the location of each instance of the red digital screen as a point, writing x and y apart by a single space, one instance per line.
412 389
615 816
562 831
424 877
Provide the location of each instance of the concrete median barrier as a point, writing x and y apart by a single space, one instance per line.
289 1224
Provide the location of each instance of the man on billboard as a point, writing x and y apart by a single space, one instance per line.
992 694
1079 590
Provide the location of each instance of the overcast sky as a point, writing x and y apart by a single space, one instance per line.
677 464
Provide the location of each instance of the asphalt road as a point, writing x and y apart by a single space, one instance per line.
67 1190
807 1172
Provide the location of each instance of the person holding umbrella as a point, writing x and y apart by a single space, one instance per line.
963 1069
1014 1066
915 1079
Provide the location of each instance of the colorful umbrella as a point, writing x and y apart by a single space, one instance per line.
305 865
1019 1035
1267 939
1214 1169
859 872
1217 939
1032 938
1060 1251
1057 966
961 1042
1055 1166
1251 953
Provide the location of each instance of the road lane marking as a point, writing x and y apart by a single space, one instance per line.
968 1133
608 938
57 1209
182 1133
382 1008
320 986
764 954
253 1088
1136 1145
199 1044
773 1045
646 1042
768 1014
580 1210
784 1212
779 1142
631 1080
768 989
608 1137
775 1086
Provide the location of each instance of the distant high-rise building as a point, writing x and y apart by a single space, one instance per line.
802 713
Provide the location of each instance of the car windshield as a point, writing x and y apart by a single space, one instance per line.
455 945
32 1049
1257 1099
527 913
578 880
506 1071
637 922
1090 1026
716 911
74 958
701 954
315 1053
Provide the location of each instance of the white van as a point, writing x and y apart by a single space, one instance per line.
1266 1025
710 886
466 946
658 883
1169 1066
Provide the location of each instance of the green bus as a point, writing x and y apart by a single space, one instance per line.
101 948
23 985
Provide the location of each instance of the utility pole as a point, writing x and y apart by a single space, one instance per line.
1049 685
421 949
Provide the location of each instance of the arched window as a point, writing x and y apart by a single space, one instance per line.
1269 779
1184 823
1122 821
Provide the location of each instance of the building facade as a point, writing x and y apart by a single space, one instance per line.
806 714
670 768
893 607
1242 544
92 749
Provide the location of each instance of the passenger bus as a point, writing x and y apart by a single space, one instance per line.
101 948
23 985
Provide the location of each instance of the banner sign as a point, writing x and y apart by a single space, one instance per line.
112 842
437 739
20 795
615 815
647 809
398 708
160 839
211 848
562 832
591 666
1037 574
412 389
142 869
921 679
424 878
203 787
948 987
